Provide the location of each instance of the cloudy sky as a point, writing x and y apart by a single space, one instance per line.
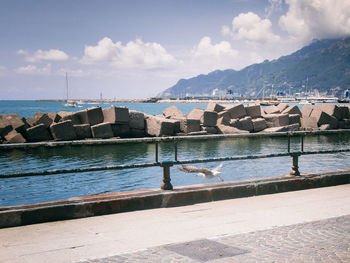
138 48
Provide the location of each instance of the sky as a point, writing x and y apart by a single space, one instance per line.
126 49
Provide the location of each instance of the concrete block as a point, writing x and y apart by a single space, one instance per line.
271 109
306 110
102 130
173 112
156 126
83 131
38 133
73 116
332 110
276 120
294 118
245 124
282 106
15 137
91 116
236 111
308 123
190 125
223 120
63 131
114 114
5 127
292 110
210 129
253 110
196 114
136 120
209 118
42 117
54 117
136 133
176 125
224 129
341 124
16 123
345 113
212 106
324 118
121 130
259 124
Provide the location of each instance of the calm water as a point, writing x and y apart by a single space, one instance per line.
57 187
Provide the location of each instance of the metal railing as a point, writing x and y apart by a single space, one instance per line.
167 164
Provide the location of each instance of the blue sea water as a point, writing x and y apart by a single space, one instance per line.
27 190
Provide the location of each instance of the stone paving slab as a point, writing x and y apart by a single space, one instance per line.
319 241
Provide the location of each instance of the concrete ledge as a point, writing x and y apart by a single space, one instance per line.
147 199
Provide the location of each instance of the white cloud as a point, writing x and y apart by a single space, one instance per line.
34 70
308 19
251 28
135 54
46 55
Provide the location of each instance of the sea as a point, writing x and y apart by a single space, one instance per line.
29 190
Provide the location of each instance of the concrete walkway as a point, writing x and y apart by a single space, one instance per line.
228 228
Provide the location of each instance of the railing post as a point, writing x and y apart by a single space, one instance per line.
166 176
295 166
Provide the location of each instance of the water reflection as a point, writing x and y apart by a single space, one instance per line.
56 187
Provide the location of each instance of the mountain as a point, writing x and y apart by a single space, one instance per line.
323 65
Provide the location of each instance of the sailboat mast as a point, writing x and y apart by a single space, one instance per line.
67 84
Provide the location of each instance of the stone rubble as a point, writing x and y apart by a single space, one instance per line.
120 122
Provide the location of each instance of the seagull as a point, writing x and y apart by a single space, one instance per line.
205 172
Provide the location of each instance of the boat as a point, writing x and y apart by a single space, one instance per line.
69 103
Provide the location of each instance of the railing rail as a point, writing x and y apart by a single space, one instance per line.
167 164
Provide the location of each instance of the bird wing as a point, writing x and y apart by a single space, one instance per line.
217 168
189 169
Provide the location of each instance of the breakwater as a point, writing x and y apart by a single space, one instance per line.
120 122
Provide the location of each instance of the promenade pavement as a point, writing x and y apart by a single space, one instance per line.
301 226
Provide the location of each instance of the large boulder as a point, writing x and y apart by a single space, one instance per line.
229 130
210 129
209 118
38 133
212 106
5 126
324 118
119 115
272 109
245 124
345 113
42 117
236 111
306 110
332 110
253 110
121 130
156 126
292 110
309 123
14 121
63 131
276 120
282 106
294 118
173 112
73 116
83 131
190 125
15 137
102 130
54 117
91 116
259 124
136 120
196 114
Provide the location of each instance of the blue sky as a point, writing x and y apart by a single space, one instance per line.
136 49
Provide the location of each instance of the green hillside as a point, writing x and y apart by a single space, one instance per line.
323 65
